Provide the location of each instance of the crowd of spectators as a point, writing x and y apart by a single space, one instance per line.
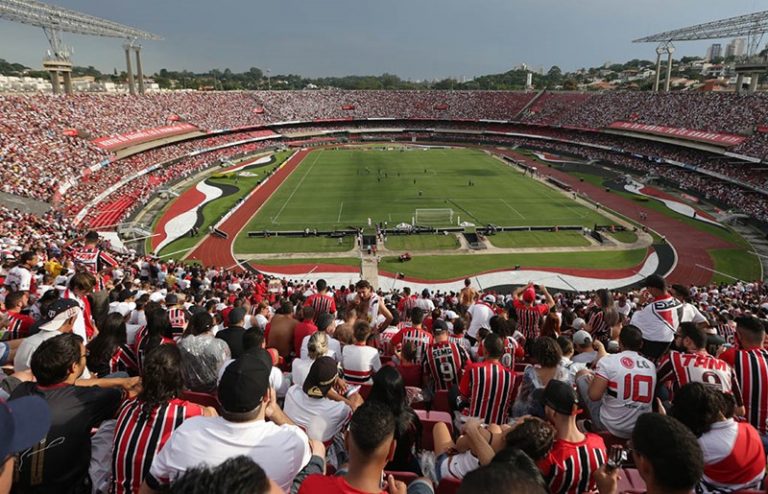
201 367
45 141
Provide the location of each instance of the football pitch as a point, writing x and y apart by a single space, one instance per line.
334 189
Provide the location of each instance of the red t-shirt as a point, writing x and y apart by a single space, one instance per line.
324 484
304 328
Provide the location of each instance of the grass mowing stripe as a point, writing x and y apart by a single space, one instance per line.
274 220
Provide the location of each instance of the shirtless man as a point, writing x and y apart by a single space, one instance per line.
467 296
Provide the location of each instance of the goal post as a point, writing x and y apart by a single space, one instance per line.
435 216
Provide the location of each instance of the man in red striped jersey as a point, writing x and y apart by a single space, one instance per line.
415 335
406 304
18 324
696 365
529 313
321 301
145 423
487 385
575 456
750 362
90 257
445 360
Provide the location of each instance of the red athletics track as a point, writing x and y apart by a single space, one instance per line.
691 244
215 251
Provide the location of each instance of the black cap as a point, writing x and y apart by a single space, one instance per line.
560 397
324 320
655 281
236 315
321 377
244 383
125 295
171 299
438 326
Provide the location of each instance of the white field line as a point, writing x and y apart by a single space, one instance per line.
513 209
298 185
341 208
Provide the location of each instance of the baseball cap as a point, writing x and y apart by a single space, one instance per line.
125 295
59 312
236 315
582 338
438 326
578 323
245 382
321 377
560 397
529 295
23 422
122 308
490 299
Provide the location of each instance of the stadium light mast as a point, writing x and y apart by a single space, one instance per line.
754 26
56 20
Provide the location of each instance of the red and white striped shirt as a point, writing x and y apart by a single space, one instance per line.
139 435
92 259
417 337
751 367
569 467
323 304
488 386
529 318
684 368
445 363
360 363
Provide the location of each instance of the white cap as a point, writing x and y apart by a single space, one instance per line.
582 338
157 297
578 323
123 308
490 299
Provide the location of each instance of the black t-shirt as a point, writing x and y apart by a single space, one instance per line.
234 338
59 464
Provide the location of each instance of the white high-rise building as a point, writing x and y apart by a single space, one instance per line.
736 48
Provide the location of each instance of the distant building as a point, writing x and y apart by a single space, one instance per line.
736 48
714 51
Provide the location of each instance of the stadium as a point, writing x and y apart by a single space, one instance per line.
405 290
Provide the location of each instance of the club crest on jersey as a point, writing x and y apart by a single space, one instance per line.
628 363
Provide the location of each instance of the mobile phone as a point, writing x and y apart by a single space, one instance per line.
351 390
616 456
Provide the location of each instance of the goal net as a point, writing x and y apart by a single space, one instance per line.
439 216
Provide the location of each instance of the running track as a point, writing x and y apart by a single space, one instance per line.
216 251
691 244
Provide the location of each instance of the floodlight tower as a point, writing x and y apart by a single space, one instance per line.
668 81
660 50
55 20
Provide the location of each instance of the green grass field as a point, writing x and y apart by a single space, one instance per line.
538 239
422 242
271 245
337 189
449 266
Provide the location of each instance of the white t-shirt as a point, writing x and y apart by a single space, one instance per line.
19 279
631 384
28 346
360 363
299 370
459 465
334 348
321 418
426 305
282 451
481 318
584 357
659 320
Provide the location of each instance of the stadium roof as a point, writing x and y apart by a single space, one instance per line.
52 17
755 24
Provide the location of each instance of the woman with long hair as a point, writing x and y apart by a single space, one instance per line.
317 346
108 352
596 325
146 422
389 390
158 331
202 354
548 356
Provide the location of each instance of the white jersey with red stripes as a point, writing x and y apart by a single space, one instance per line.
631 384
734 458
360 363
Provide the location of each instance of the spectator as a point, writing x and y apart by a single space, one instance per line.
516 475
659 319
60 318
548 367
415 335
233 334
359 361
305 327
389 390
316 347
445 361
487 386
109 353
622 386
280 447
734 458
575 456
309 407
325 323
23 423
202 355
238 475
279 332
145 423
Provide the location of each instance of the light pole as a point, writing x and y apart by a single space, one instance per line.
269 80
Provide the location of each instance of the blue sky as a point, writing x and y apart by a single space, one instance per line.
416 39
